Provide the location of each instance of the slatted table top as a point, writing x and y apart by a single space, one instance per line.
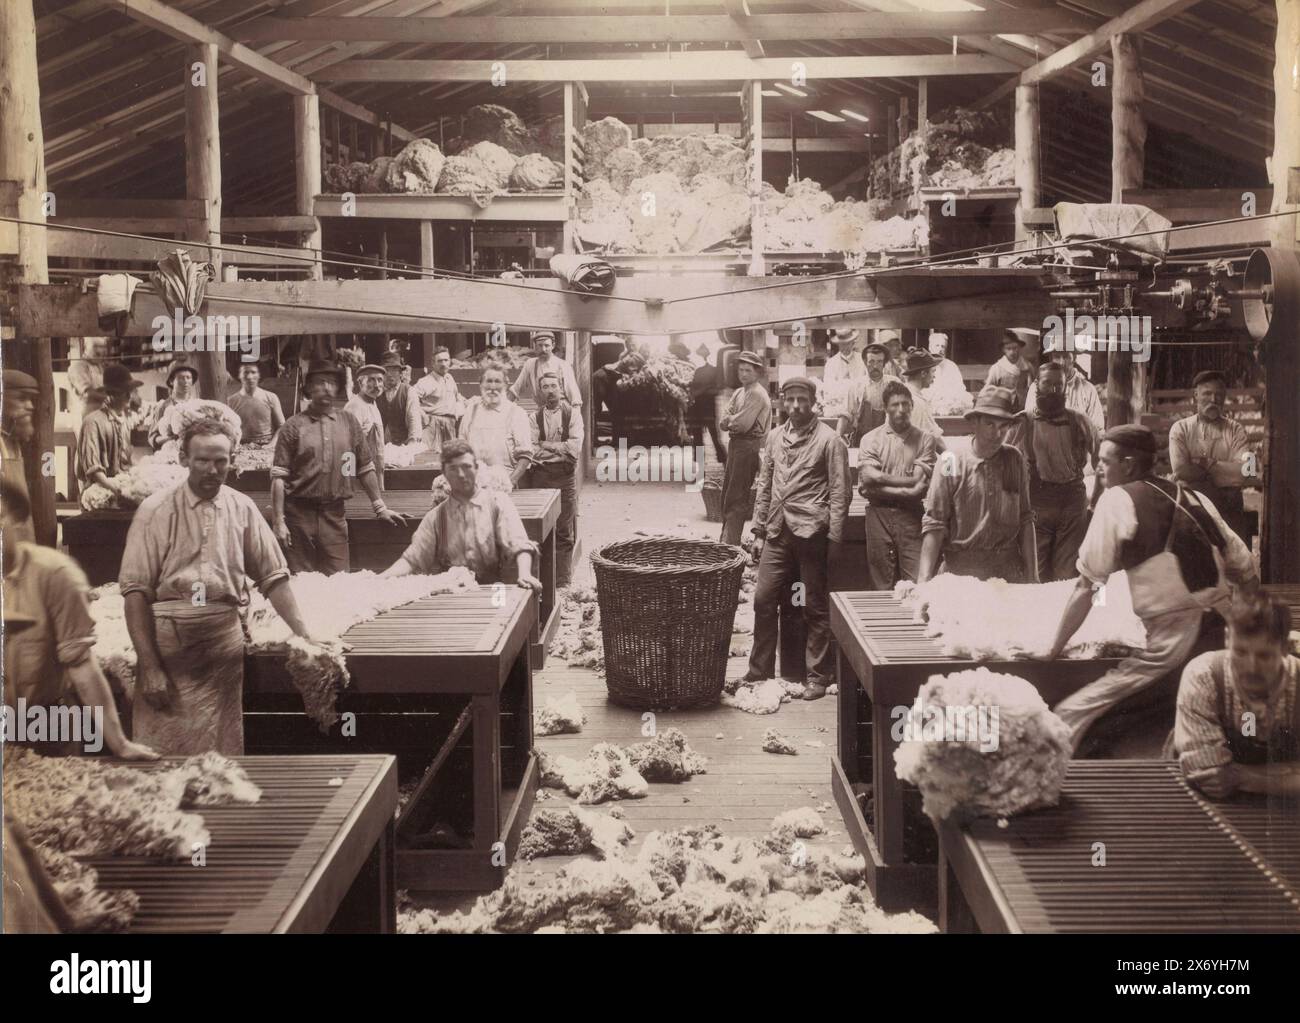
882 626
276 866
449 642
1174 860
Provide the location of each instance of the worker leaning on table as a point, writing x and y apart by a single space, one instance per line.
1179 556
191 555
1238 721
474 528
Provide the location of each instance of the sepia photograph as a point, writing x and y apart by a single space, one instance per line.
483 467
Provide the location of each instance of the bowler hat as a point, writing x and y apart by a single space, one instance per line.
17 380
750 359
118 379
995 401
806 383
392 360
318 367
918 361
178 367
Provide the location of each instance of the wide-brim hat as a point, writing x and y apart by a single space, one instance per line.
182 367
995 401
17 380
750 359
118 379
807 383
844 337
918 361
392 360
318 367
1019 335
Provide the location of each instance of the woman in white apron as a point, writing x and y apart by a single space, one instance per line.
496 427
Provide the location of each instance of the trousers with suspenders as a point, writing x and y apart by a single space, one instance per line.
560 476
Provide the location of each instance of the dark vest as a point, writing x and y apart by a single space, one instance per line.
1281 746
1189 536
566 417
393 413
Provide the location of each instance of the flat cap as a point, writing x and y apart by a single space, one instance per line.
750 359
369 369
17 380
806 383
1209 374
1133 437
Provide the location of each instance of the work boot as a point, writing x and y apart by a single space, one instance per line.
813 691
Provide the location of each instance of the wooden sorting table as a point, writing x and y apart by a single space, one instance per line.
883 658
463 657
1175 861
97 539
413 477
309 857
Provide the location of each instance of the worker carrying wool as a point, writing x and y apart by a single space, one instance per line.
496 427
1237 728
747 418
1209 452
895 462
1057 443
399 407
545 361
259 411
318 453
49 637
474 527
183 385
803 500
440 401
364 406
558 440
18 428
977 512
1012 371
865 406
1180 557
842 369
104 447
191 555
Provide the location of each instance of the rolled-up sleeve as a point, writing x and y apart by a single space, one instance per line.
422 552
277 410
1180 454
263 560
1238 563
754 405
90 448
512 538
1199 739
926 454
572 391
359 445
869 453
1233 474
286 449
939 501
143 557
66 600
520 434
1113 521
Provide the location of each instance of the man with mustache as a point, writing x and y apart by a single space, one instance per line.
1237 728
18 429
1210 453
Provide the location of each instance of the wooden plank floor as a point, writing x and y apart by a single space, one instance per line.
742 791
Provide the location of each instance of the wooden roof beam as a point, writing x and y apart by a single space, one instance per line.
738 14
687 67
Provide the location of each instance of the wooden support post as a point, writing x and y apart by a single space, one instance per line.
428 342
891 127
1126 384
307 169
923 105
753 129
1279 547
582 369
203 182
1027 155
22 172
904 121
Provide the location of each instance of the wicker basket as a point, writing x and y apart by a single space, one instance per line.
667 607
711 491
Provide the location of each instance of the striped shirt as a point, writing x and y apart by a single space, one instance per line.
980 504
1200 733
483 534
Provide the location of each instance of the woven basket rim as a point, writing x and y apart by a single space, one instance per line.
737 558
